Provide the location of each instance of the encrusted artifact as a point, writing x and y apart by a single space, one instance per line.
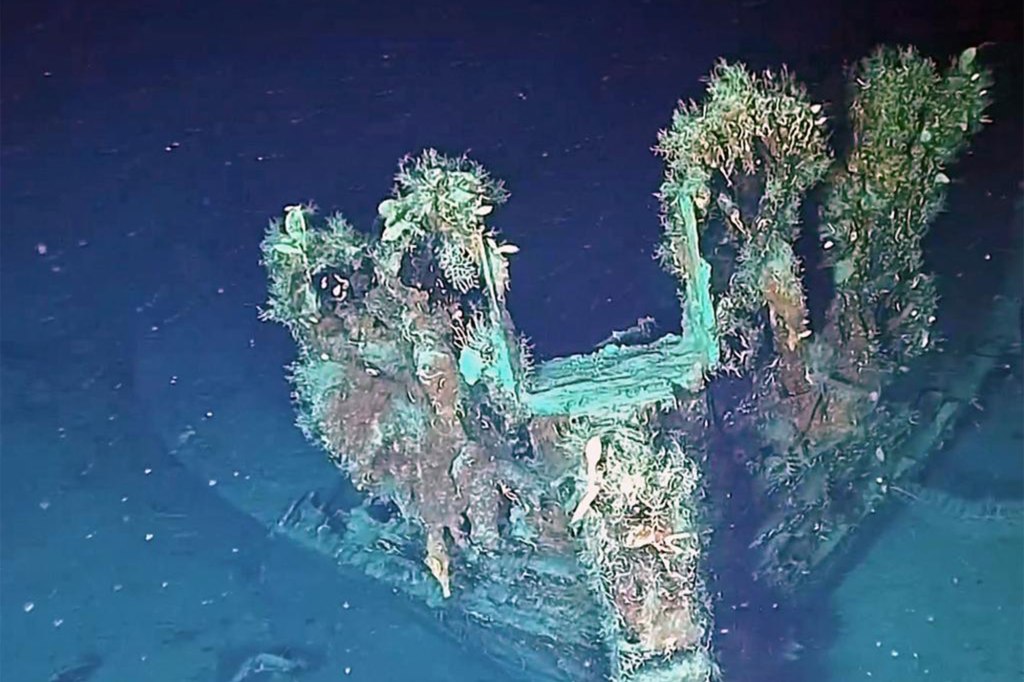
564 505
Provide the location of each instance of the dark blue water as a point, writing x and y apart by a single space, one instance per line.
146 145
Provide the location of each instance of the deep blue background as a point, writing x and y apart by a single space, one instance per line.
197 121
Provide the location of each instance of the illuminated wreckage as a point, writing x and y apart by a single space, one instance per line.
563 507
